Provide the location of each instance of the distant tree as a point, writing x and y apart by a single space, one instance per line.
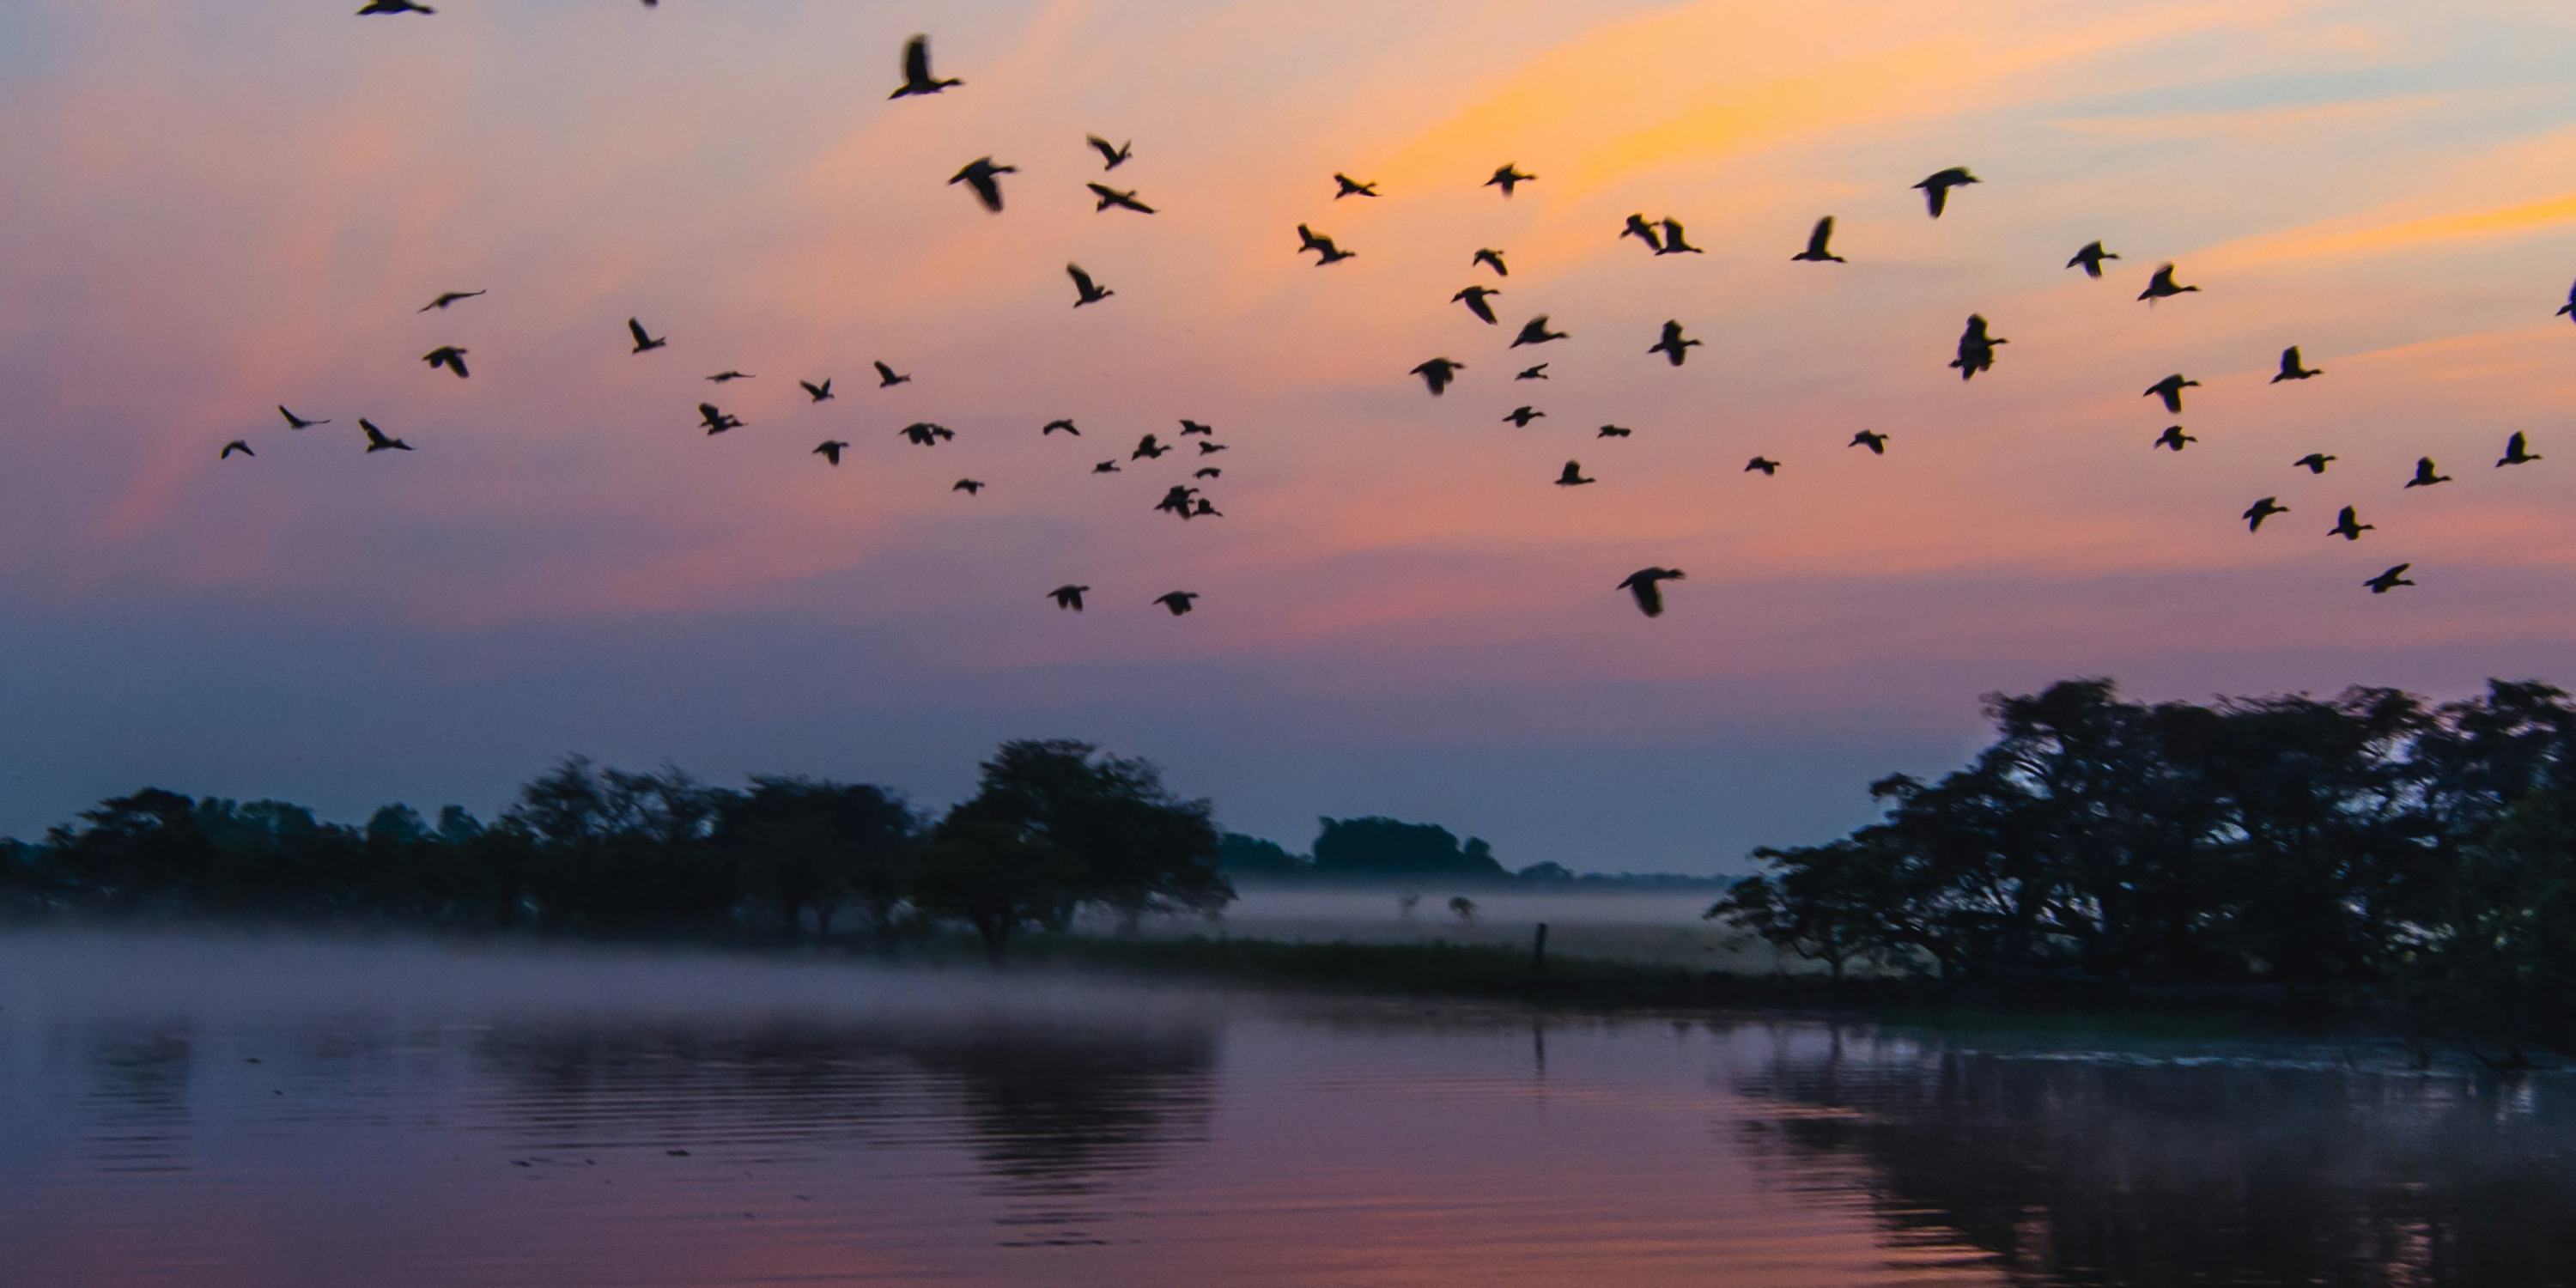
130 847
1251 856
808 846
624 850
1464 909
1550 872
1385 847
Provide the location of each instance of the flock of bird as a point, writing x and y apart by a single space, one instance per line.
1976 349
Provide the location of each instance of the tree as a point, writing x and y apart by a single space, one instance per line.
808 846
1374 847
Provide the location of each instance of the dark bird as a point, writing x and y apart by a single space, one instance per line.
2349 526
1538 372
2516 451
968 486
376 440
1068 597
728 377
888 378
819 393
237 445
716 421
1206 510
448 356
1112 157
1535 331
1673 346
2568 310
2161 286
1765 464
1176 500
2424 475
1054 425
2261 510
1508 178
1873 440
2389 580
1490 258
1474 298
2291 368
394 6
449 298
1189 427
1673 242
1210 449
1347 186
1437 373
1976 348
1614 431
1086 291
2174 438
2091 258
1325 251
1112 197
1522 416
1105 467
2170 389
1646 585
1643 231
2315 462
926 434
830 449
1148 450
294 421
643 343
916 72
1573 476
1209 472
1936 188
986 179
1179 601
1817 242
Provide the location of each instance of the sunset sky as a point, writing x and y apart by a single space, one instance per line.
210 209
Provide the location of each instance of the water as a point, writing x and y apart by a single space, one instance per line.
282 1114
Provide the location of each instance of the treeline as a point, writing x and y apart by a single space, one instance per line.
2374 843
1378 850
1054 827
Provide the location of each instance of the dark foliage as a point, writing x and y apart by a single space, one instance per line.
1373 847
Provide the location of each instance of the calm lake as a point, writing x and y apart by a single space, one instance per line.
281 1113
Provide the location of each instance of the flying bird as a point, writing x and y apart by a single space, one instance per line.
1573 476
968 486
1535 331
1179 601
1936 188
819 393
1147 449
2261 510
2314 462
376 440
2389 580
1176 500
294 421
1873 440
916 72
716 421
1210 449
448 356
2349 526
1206 510
1347 186
2170 389
1105 467
1673 346
830 449
2091 258
1508 178
2161 286
1112 197
1522 416
1068 597
1976 348
926 434
2516 451
1765 464
448 298
643 343
2174 438
1538 372
1638 227
1673 242
1086 291
1209 472
1325 251
1189 427
1437 373
986 179
1054 425
2291 369
1645 585
1490 258
1818 242
237 445
2568 310
1614 431
2424 475
887 377
1112 157
394 6
1474 298
728 377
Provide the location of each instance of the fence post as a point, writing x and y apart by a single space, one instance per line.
1538 951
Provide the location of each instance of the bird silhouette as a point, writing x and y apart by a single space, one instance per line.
1147 449
2348 525
1474 298
916 72
2170 389
1325 251
1490 258
1068 597
1179 601
2291 368
1208 472
1538 372
830 449
294 421
1508 178
1573 476
1346 186
2161 286
819 393
2424 475
1818 242
1206 509
1086 291
1176 500
1873 440
237 445
1189 427
1614 431
1674 244
448 298
1437 373
448 356
888 377
2267 507
2389 580
2315 462
1112 197
2516 451
2091 258
926 434
2174 438
1535 331
1105 467
968 486
1976 348
394 6
1112 157
1936 187
376 440
1673 346
1210 449
1054 425
1765 464
986 179
1646 584
1638 227
2568 310
1522 416
643 343
728 377
716 421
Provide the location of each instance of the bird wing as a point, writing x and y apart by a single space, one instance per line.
987 187
637 327
1081 280
916 60
1823 234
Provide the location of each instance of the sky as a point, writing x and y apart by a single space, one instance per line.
215 209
